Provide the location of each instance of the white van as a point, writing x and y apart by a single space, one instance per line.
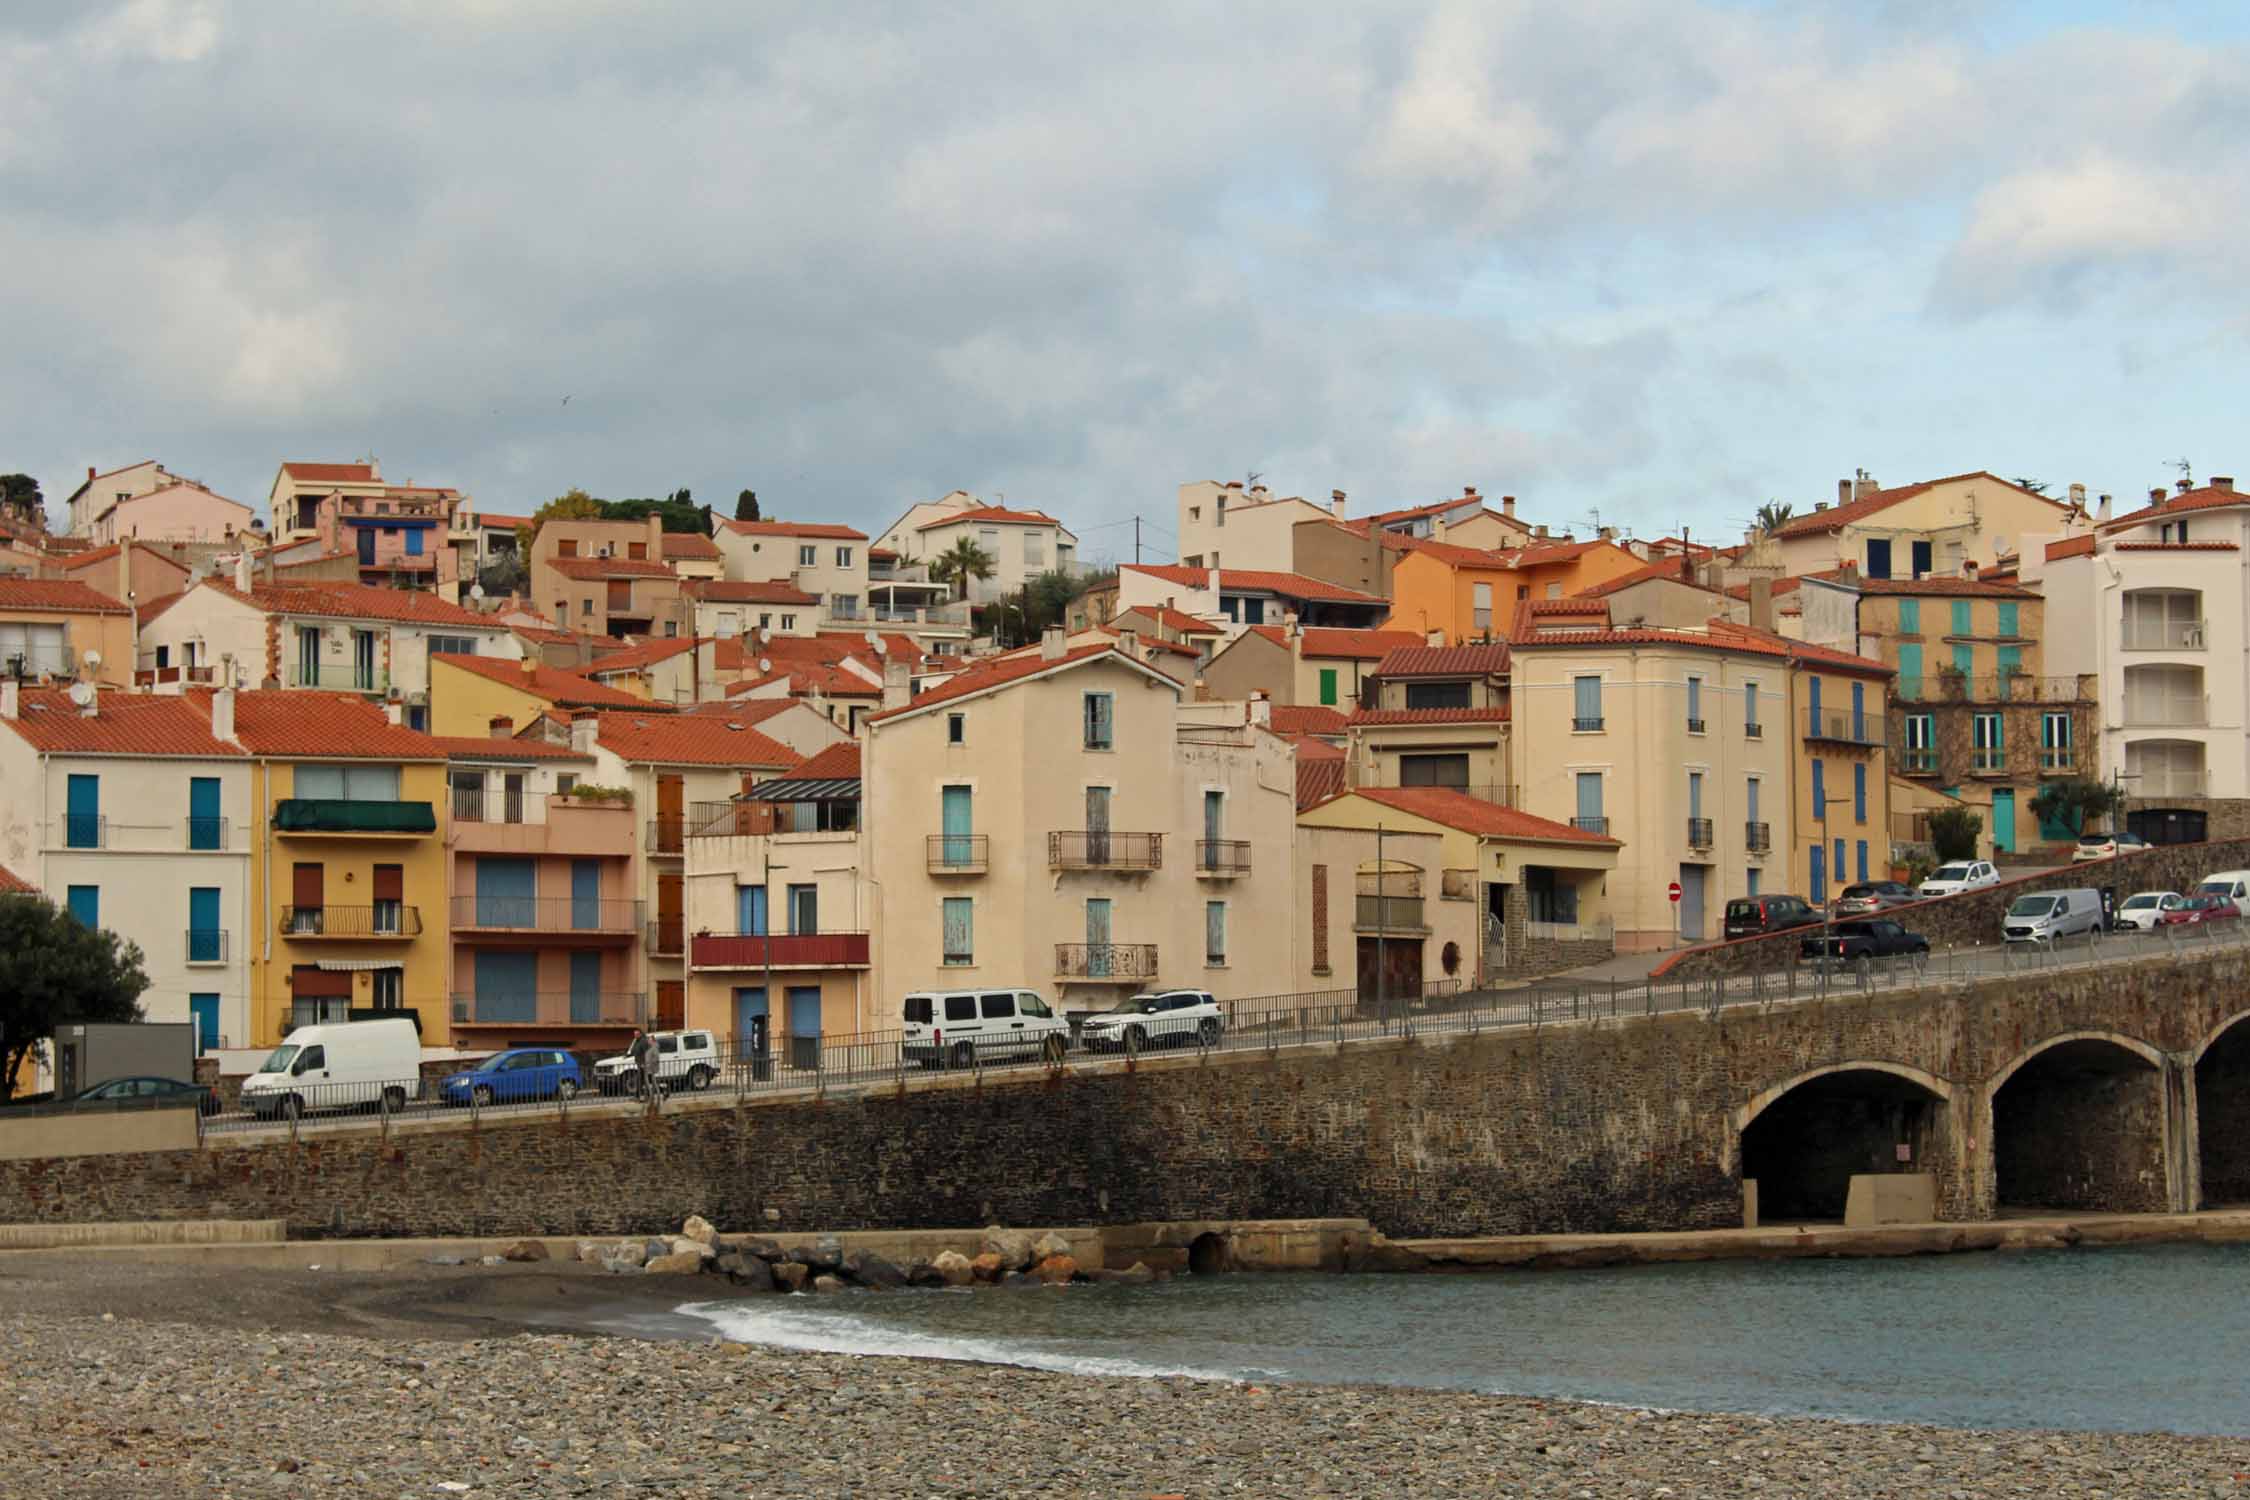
2050 916
961 1028
2232 884
347 1065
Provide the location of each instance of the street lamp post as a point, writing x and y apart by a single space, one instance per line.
1827 907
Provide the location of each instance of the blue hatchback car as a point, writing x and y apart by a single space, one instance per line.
510 1077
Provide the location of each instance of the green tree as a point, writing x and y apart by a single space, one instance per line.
1773 515
1046 601
505 574
746 506
570 505
676 511
55 971
960 563
2076 802
2036 486
1954 832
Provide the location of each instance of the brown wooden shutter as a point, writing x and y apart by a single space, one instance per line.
306 886
309 983
567 547
390 882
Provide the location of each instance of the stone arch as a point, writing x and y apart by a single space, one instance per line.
1758 1101
2212 1036
1804 1139
2081 1122
2219 1069
2134 1045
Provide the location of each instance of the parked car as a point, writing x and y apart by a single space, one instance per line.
1871 896
2107 846
517 1074
1164 1019
1960 875
1867 938
2195 911
154 1092
2049 916
2232 884
342 1065
1755 916
2140 909
961 1028
684 1059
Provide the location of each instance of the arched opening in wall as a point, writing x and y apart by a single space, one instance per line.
2222 1115
1207 1255
1804 1148
2079 1126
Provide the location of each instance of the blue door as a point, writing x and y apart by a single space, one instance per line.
1860 853
205 828
957 808
586 894
507 986
1819 875
85 903
1098 954
585 987
203 1010
750 910
1859 712
506 892
750 1018
82 823
804 1026
2004 819
206 944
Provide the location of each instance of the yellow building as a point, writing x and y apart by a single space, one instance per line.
49 625
1938 526
471 695
348 864
1841 797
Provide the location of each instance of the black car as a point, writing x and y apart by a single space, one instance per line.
154 1092
1847 942
1871 896
1755 916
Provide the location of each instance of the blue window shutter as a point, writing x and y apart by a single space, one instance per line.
1859 792
1819 788
85 903
1862 853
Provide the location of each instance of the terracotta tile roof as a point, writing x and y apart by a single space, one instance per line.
834 646
610 567
1320 778
1307 719
1456 555
735 591
1579 606
106 473
984 677
494 518
2071 546
814 529
991 515
354 601
2177 547
123 724
1459 810
690 544
1545 554
1171 619
632 658
1925 588
1148 642
807 677
751 711
14 884
1334 643
468 747
154 609
1780 586
1804 653
331 473
1666 568
1488 660
104 554
1376 718
57 596
838 762
1415 512
2207 498
689 740
1837 517
293 722
558 687
1256 581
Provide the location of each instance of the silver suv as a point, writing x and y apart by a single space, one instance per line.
1168 1018
684 1059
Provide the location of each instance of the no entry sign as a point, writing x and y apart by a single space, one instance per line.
1673 890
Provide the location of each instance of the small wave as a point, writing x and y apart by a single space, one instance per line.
843 1333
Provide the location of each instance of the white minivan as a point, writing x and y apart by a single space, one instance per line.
962 1028
346 1065
2232 884
2050 916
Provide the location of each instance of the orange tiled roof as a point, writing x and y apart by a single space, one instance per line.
57 596
468 747
1779 587
1171 619
1486 660
816 529
751 711
2177 547
690 544
1469 814
1929 588
1336 643
2206 498
331 473
2071 546
122 724
354 601
558 687
984 677
1320 778
295 722
1666 568
689 740
743 591
632 658
104 554
991 515
838 762
1375 718
1837 517
806 677
13 884
610 567
1803 652
1307 719
1256 581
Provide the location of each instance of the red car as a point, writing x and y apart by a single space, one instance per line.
2193 910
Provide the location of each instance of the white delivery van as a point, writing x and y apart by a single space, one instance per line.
348 1065
2049 916
962 1028
2232 884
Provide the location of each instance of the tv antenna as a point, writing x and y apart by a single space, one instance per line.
2187 472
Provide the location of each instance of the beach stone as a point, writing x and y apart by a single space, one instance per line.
1013 1249
825 1284
589 1252
869 1269
1056 1269
653 1248
1019 1279
685 1246
523 1250
1048 1246
790 1275
683 1263
748 1271
1138 1274
919 1272
630 1252
824 1254
699 1229
763 1248
988 1266
953 1268
490 1260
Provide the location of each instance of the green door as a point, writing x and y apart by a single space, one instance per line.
2004 819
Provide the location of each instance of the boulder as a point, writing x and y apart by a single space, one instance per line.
919 1272
589 1252
1048 1246
750 1272
790 1275
823 1254
685 1246
871 1270
1056 1270
699 1229
624 1268
825 1284
1013 1249
953 1268
763 1248
630 1252
1018 1280
491 1260
988 1267
682 1263
1138 1275
651 1249
523 1250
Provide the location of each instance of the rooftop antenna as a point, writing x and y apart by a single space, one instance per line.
2187 472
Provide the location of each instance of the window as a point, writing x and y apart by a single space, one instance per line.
1100 712
1433 770
2055 742
788 622
388 892
1590 817
804 908
956 729
453 645
1909 617
329 783
82 823
1253 611
1034 549
414 541
1861 853
1437 695
1751 880
1214 934
1921 743
1328 687
843 557
308 656
636 551
997 1007
1695 705
1986 752
1695 795
1750 726
2010 616
1586 704
1819 790
1812 698
1480 612
1554 591
808 557
1961 617
387 989
565 780
85 903
1523 592
844 606
960 936
567 547
671 629
1859 795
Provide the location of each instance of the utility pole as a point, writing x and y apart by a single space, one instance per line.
1136 540
766 883
1382 922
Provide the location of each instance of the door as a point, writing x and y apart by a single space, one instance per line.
366 546
1097 937
388 887
204 828
1878 557
507 986
203 1010
1590 802
957 812
2004 819
750 1020
671 1004
1921 559
1859 712
586 894
206 944
804 1026
1390 972
671 919
1214 829
671 814
1819 881
1691 902
507 892
585 988
750 910
804 908
363 660
1097 825
83 821
308 656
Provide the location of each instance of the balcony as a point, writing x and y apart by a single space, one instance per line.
1389 914
959 853
2057 760
1699 833
1757 837
2163 635
1075 850
148 677
780 950
667 937
2169 783
206 834
1695 726
1587 726
2009 687
1753 731
335 677
328 816
558 920
556 824
384 922
1101 962
1219 859
667 837
1590 825
82 831
1988 762
1844 726
2160 715
731 819
621 1009
1919 761
206 945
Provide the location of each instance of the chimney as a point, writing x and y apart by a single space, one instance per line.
1687 568
2156 495
222 713
242 570
1864 485
1433 638
1336 503
1540 532
1129 642
500 727
1969 569
1437 528
1712 574
1213 584
2223 482
1468 492
1606 533
582 726
1508 506
125 567
2102 513
531 667
2078 496
1053 643
1843 493
1761 602
1822 504
90 478
2184 483
1261 709
898 683
395 714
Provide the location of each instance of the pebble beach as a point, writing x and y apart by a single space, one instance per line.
148 1381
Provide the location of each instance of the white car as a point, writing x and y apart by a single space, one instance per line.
684 1059
1168 1018
1958 876
2140 908
975 1028
2107 846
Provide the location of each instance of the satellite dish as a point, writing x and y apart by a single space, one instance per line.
93 658
476 591
765 664
82 693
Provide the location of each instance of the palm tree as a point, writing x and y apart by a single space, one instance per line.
959 563
1773 515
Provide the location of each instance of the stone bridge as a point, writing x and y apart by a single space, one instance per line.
2122 1087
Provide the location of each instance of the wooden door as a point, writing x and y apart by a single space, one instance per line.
671 1004
671 918
671 814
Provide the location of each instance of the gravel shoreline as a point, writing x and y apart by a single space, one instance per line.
163 1381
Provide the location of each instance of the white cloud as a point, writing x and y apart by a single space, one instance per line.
167 31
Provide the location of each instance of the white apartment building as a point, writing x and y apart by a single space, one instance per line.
1021 543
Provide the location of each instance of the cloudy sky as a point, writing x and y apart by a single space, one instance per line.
1659 258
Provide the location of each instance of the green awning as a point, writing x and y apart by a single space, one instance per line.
334 815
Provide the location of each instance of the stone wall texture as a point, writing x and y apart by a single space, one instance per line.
1616 1124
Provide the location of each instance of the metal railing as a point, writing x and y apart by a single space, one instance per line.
1590 825
1074 849
344 678
1844 726
959 853
1699 833
83 831
1757 837
1919 761
552 1008
1222 856
1388 914
667 835
206 945
382 921
2057 758
554 914
1586 726
2163 635
752 950
1695 726
1105 960
1753 731
2008 687
206 834
1987 762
